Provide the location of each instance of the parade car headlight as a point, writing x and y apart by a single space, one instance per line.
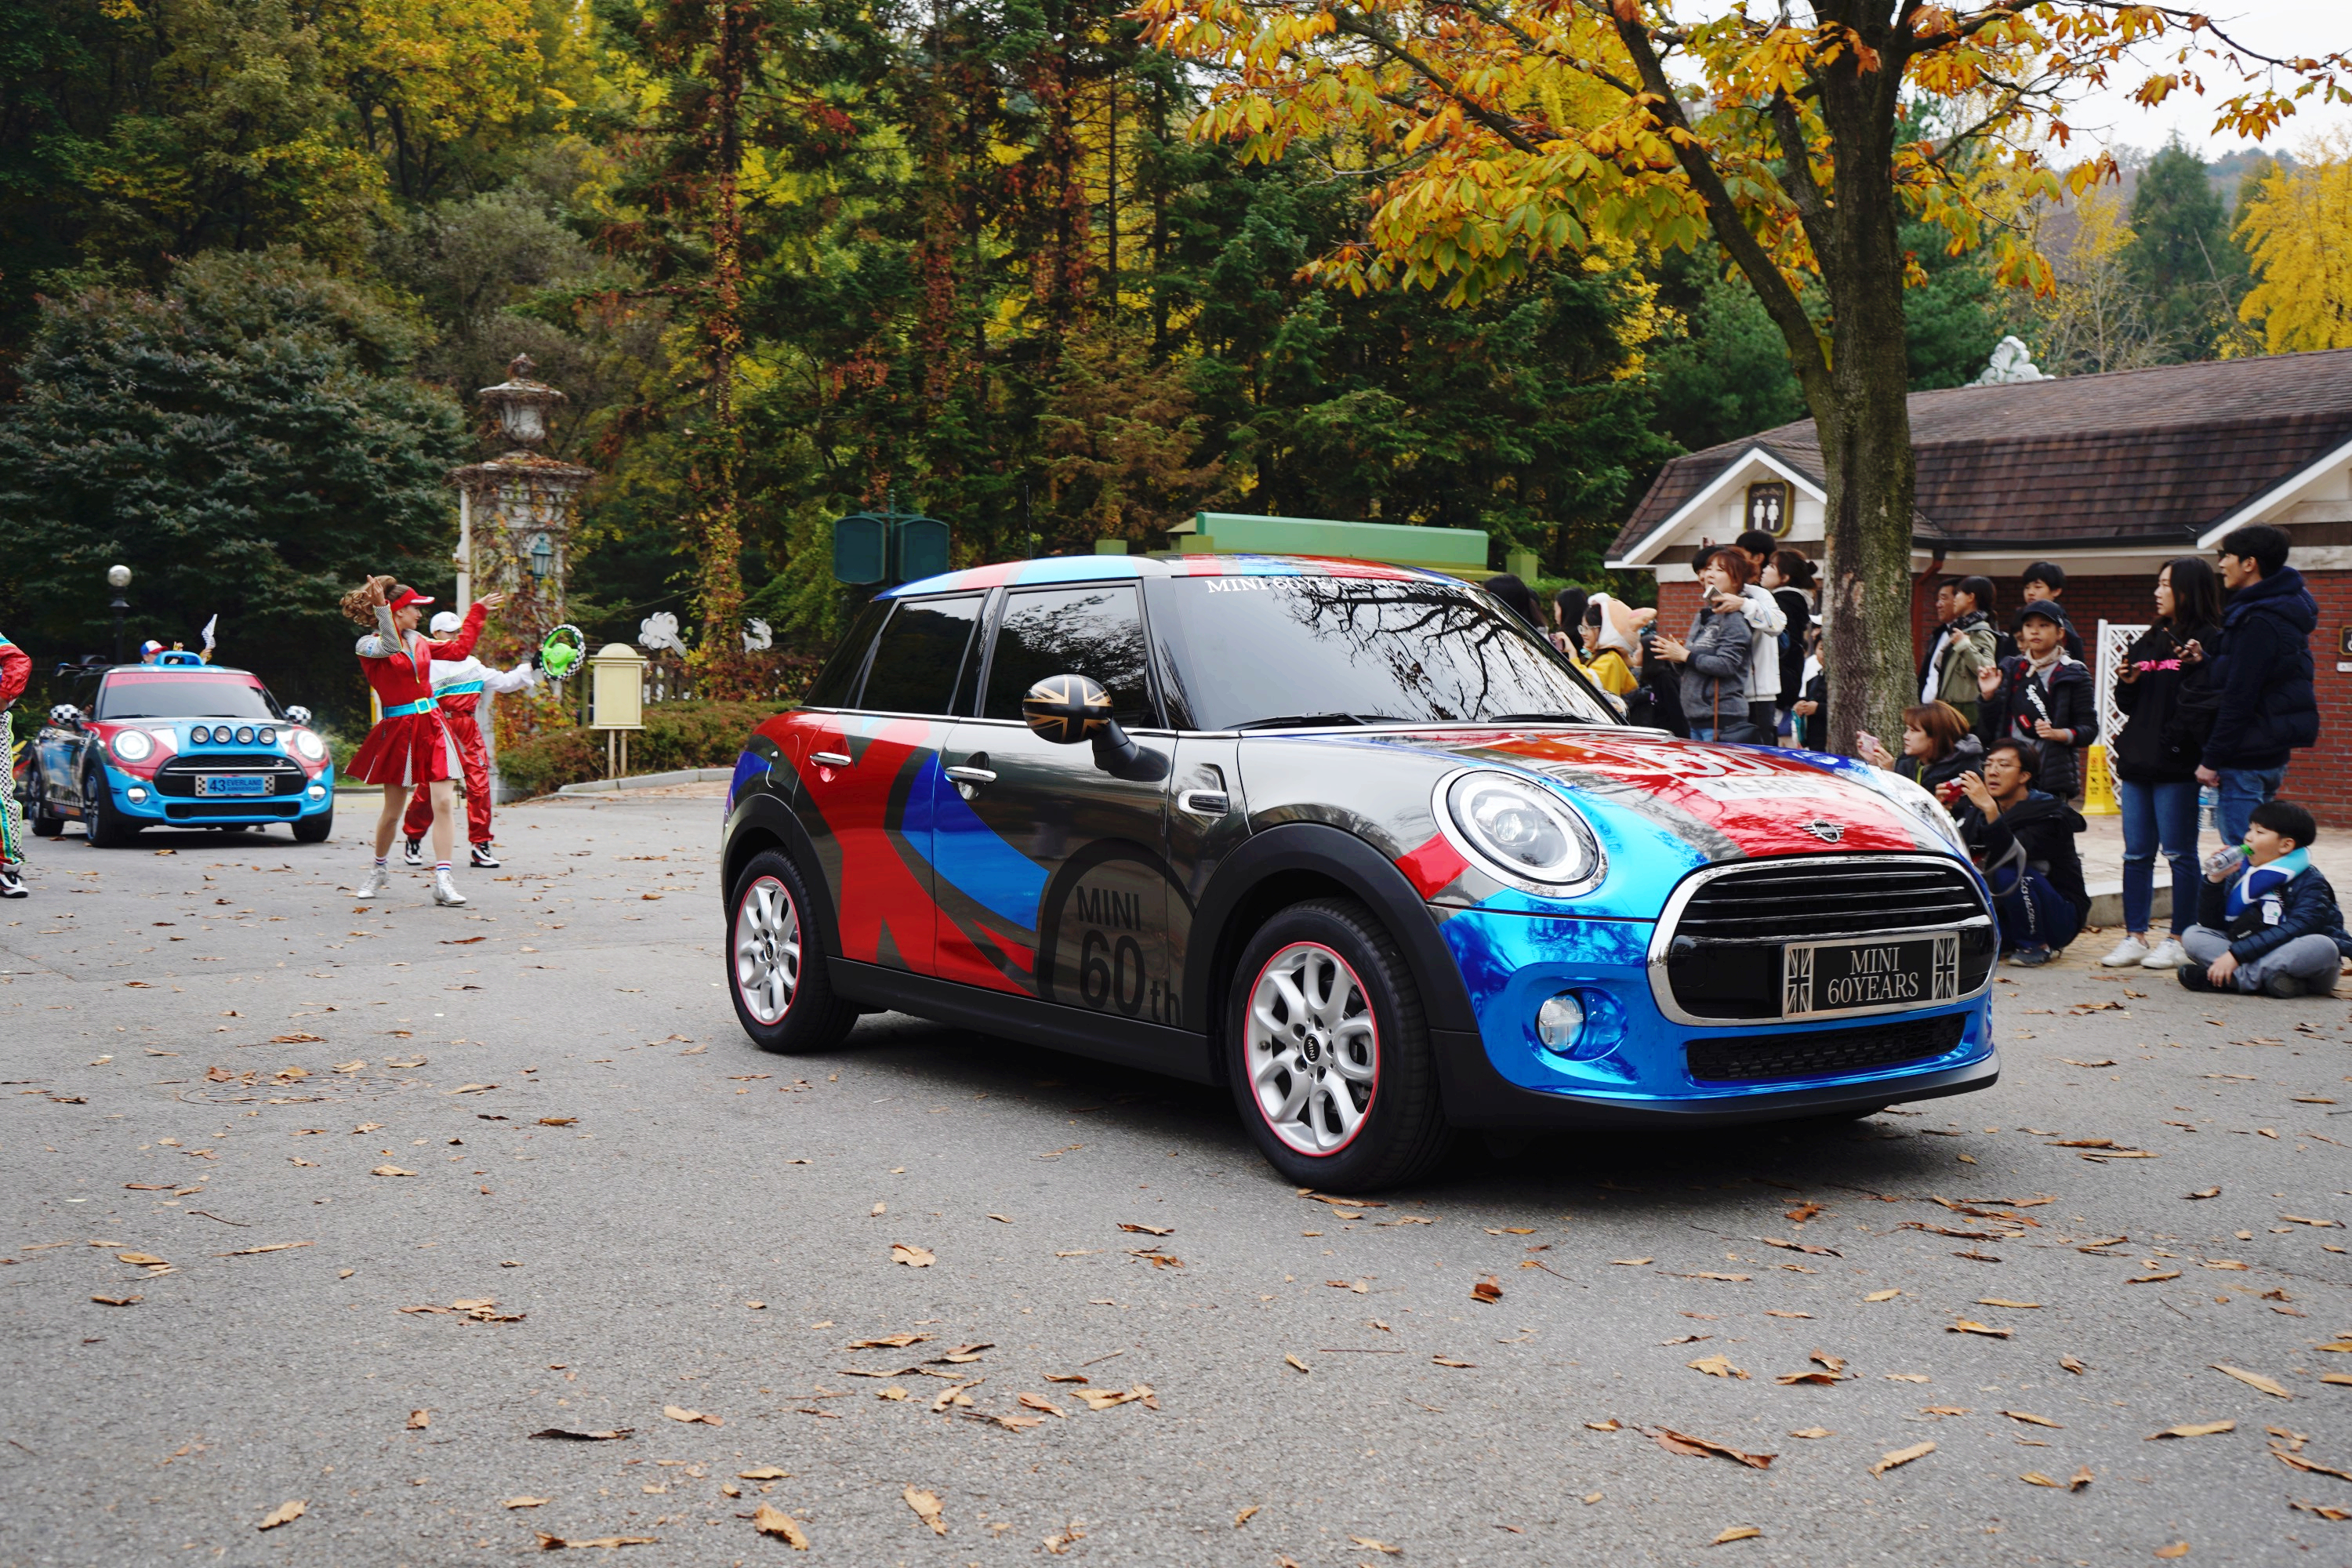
1918 801
132 745
309 745
245 735
1522 830
199 735
267 737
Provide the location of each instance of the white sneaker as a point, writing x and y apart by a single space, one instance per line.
373 885
2128 951
2168 954
482 857
412 851
445 889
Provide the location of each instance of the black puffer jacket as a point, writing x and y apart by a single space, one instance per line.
2061 696
2306 908
2265 705
2168 709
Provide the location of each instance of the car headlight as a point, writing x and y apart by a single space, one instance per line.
245 735
1520 831
1912 798
132 745
267 736
309 745
200 736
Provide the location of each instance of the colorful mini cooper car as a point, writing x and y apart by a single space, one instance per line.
1351 839
179 743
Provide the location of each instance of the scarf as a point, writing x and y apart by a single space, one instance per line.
2264 884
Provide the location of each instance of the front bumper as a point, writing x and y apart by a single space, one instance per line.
138 800
1632 1065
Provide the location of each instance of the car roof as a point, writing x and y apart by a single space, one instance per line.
176 670
1053 569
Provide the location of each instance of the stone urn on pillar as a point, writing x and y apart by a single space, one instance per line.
515 515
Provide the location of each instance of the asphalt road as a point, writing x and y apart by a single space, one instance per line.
536 1117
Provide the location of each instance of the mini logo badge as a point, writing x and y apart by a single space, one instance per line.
1828 832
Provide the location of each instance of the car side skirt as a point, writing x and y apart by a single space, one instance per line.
1129 1041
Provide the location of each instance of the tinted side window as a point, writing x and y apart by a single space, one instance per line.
1092 631
921 650
837 684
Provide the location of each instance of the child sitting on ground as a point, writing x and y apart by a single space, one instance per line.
2266 917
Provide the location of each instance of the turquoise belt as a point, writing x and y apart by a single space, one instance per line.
405 709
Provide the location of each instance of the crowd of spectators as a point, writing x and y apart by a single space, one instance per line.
2216 696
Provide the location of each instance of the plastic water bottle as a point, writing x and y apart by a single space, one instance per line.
2222 862
2208 797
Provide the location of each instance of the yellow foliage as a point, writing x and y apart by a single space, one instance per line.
2298 229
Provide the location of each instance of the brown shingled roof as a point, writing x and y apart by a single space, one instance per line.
2135 457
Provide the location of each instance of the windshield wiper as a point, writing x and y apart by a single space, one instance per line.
1538 719
1308 720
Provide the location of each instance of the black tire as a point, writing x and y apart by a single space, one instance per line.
1400 1131
37 816
106 826
315 829
810 1017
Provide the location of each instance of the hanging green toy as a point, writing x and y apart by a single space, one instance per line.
561 651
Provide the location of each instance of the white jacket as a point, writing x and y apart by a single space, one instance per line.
470 676
1766 620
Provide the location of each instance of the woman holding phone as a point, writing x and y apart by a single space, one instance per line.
2162 686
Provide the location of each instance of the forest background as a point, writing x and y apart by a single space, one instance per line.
794 258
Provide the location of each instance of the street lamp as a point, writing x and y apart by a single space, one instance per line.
119 578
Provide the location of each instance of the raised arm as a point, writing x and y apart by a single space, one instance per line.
460 648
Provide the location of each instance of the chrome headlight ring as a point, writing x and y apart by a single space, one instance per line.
132 745
1519 831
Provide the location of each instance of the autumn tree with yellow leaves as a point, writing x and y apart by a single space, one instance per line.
1508 129
2298 228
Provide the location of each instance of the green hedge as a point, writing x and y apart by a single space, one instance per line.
676 735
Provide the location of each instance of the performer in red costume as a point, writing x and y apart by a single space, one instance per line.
410 745
15 670
459 687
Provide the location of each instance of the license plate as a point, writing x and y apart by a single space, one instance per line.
1823 979
232 783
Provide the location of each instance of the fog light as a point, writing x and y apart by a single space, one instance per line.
134 795
318 792
1560 1021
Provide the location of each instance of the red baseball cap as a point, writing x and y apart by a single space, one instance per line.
406 597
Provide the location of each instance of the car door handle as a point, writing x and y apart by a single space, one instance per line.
829 759
1205 802
971 775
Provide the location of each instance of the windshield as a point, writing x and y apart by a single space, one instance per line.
1328 650
160 694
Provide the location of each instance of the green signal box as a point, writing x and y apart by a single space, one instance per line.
888 547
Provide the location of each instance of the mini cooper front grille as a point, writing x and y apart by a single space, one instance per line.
1828 1052
178 776
1723 950
1797 900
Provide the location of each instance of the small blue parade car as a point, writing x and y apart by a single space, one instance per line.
1351 839
179 743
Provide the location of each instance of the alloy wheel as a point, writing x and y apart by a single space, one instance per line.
1312 1048
767 949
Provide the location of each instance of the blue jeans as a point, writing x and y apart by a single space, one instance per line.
2030 912
2158 815
2242 789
